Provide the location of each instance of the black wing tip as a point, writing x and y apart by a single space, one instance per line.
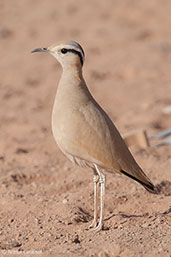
148 186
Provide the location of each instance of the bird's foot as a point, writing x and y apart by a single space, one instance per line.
93 225
96 227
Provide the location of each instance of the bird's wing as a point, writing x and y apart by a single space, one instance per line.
93 136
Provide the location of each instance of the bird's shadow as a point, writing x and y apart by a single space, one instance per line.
163 188
127 216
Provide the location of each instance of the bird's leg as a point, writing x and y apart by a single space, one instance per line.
95 182
102 193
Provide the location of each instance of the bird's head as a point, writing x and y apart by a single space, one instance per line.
68 54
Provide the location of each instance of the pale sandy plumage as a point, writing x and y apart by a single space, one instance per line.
83 131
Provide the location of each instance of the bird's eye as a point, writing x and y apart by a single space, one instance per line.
64 50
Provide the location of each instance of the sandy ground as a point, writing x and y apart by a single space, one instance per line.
46 203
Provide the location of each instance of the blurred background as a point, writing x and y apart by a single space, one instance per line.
127 68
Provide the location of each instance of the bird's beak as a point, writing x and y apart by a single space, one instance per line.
43 49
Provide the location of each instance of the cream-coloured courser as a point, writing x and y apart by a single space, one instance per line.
83 131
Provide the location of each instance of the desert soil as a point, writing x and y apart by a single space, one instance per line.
46 203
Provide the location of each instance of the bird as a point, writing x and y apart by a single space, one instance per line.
83 130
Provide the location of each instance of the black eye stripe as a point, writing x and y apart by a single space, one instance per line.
78 53
64 51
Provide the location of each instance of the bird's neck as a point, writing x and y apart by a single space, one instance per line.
71 79
72 72
72 87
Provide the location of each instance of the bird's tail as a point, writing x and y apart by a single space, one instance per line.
143 180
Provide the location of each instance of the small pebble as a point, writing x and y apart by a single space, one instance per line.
21 150
76 240
15 244
64 201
